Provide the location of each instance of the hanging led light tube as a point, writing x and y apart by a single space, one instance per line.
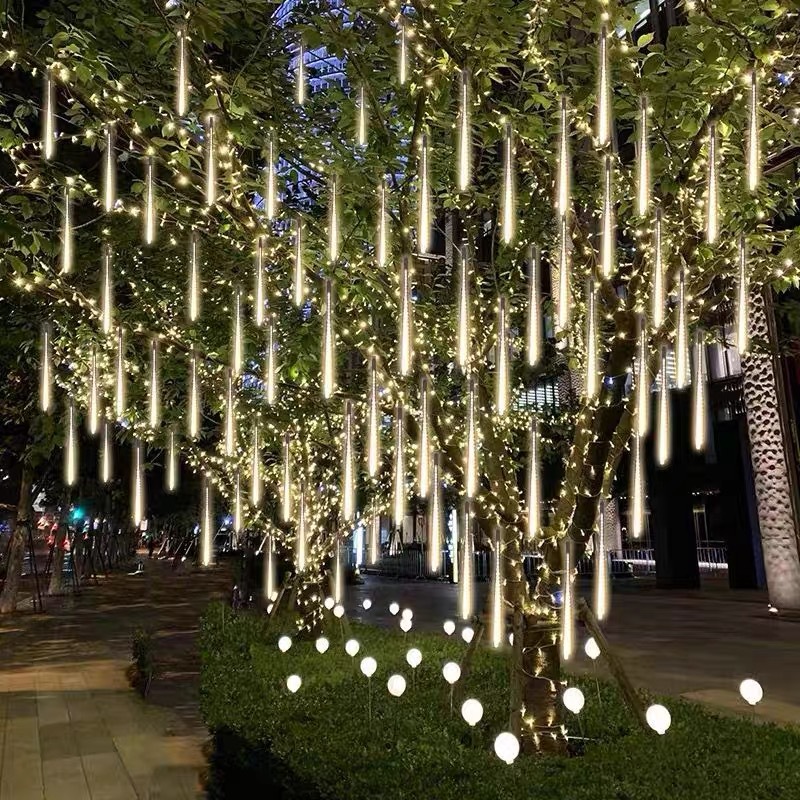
534 331
154 398
270 587
603 91
259 293
110 170
424 443
374 535
361 118
348 464
230 415
193 305
712 188
270 188
534 491
286 487
637 485
464 135
643 160
237 334
271 366
71 446
382 230
753 135
206 522
373 418
406 332
193 415
256 484
211 160
403 54
742 299
328 342
67 234
563 300
299 279
107 289
567 602
300 75
301 534
173 469
93 410
182 74
682 375
508 204
498 626
642 422
334 231
49 133
608 234
138 488
602 580
399 494
46 369
424 200
699 394
106 453
120 381
664 432
150 211
592 376
563 180
238 519
463 327
502 373
659 289
465 590
471 455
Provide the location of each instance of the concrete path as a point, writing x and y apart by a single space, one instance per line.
70 726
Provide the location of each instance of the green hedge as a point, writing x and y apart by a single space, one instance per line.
318 743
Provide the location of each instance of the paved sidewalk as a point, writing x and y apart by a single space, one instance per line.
70 726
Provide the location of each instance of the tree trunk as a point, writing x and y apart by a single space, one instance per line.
775 496
16 551
57 574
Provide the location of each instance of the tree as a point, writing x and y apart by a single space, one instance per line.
554 144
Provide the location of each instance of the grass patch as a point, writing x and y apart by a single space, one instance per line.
318 744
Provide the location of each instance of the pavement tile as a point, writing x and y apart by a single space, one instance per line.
107 778
64 779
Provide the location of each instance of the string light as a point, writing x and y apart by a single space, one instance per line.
508 208
302 530
300 75
399 502
382 231
424 443
237 334
534 334
46 369
333 220
230 415
107 289
154 398
193 416
681 335
361 118
211 160
464 135
348 465
255 468
286 493
603 91
137 477
106 453
742 298
271 192
664 433
601 571
463 322
271 366
591 378
93 406
172 462
498 609
643 165
699 395
110 170
642 422
182 75
467 565
237 502
753 136
435 516
712 188
328 342
120 382
49 118
373 418
471 455
609 235
406 332
562 301
424 201
658 291
67 234
502 376
193 304
534 493
299 279
567 604
206 522
563 182
637 485
71 446
149 215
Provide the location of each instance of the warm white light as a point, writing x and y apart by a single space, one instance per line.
322 645
237 335
637 485
271 365
567 603
534 332
396 685
366 604
642 421
368 666
502 368
71 447
329 603
293 683
67 234
109 170
348 464
602 578
211 160
592 649
436 516
658 718
699 395
172 471
403 55
643 161
256 485
106 452
592 371
207 522
407 613
399 502
449 627
49 118
663 433
573 699
712 188
508 209
301 537
753 136
149 215
465 596
238 518
230 415
608 233
382 231
361 118
506 747
284 643
120 381
182 75
424 440
751 691
562 301
658 278
424 199
405 625
472 711
46 369
464 172
682 375
563 180
394 609
193 415
467 634
742 299
193 306
286 493
154 395
328 342
338 610
299 274
405 335
93 405
414 658
259 297
334 231
373 421
300 76
270 189
352 647
498 625
138 485
603 91
534 496
269 569
107 289
463 321
471 456
451 672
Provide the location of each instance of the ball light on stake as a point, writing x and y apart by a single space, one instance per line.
366 604
472 711
414 658
592 649
368 666
293 683
407 613
351 647
751 691
322 645
506 747
338 611
658 718
467 634
284 643
329 603
449 627
405 624
573 699
396 685
394 609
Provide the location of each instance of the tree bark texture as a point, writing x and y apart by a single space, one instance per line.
16 553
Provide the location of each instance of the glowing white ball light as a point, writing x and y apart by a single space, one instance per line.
366 604
352 647
451 672
368 666
414 658
322 644
449 627
658 718
396 685
506 745
407 613
338 611
751 691
573 699
591 648
467 634
472 711
405 624
293 683
284 643
393 609
329 603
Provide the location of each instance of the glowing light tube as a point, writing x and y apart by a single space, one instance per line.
454 545
406 332
256 485
328 342
348 464
471 455
402 66
110 170
107 289
237 502
172 471
603 91
270 189
463 328
399 500
93 410
120 381
637 485
286 488
230 415
333 220
237 334
269 584
107 453
567 603
534 332
682 376
206 522
299 279
642 422
502 389
193 304
382 231
712 189
563 303
301 534
658 293
373 418
753 136
424 443
563 180
699 394
534 493
742 295
211 160
137 479
338 573
424 200
46 369
374 535
271 366
67 235
435 517
464 135
259 296
508 206
465 589
193 415
498 626
602 582
49 134
149 216
154 396
182 76
643 160
663 433
300 76
608 241
71 446
592 376
361 118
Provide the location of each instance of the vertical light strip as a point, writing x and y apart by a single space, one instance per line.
206 522
742 298
193 415
424 442
173 470
110 170
467 566
328 342
211 160
602 583
49 118
256 484
300 75
424 200
454 546
591 378
373 419
471 455
659 290
237 334
238 519
106 453
534 333
67 234
269 569
563 181
712 188
137 477
382 231
603 91
150 213
299 280
502 389
637 485
230 415
498 611
301 529
642 422
534 493
374 535
664 432
71 446
348 464
182 76
399 500
193 305
699 394
338 572
406 332
608 237
508 207
270 190
464 135
154 397
333 220
107 289
643 161
259 296
361 118
563 303
463 328
402 66
682 376
286 489
120 381
93 411
271 371
46 369
753 135
567 602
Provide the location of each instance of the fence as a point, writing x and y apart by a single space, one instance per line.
413 563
